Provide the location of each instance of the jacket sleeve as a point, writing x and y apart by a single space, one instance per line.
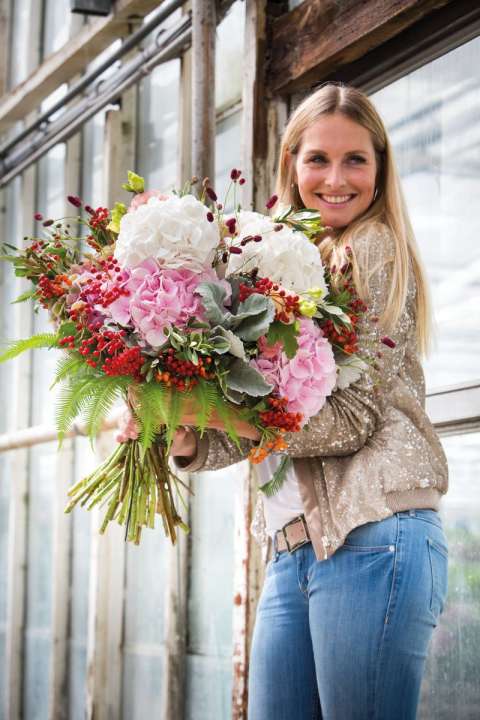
350 416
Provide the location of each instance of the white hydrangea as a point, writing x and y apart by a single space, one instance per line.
285 256
175 232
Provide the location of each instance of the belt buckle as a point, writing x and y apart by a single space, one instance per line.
300 543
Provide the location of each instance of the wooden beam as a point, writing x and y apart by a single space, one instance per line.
319 36
204 28
72 58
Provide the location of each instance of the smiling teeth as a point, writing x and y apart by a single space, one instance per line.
336 198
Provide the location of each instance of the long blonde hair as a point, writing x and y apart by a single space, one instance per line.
388 205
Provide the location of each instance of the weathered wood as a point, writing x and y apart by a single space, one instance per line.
5 13
72 58
313 40
203 88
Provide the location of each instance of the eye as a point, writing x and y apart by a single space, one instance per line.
357 159
318 159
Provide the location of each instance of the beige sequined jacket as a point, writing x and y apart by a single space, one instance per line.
371 451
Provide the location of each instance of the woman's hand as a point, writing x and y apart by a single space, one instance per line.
127 427
243 428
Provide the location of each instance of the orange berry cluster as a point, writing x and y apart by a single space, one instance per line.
183 374
258 454
48 289
346 339
279 417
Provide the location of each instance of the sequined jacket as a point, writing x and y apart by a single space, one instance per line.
371 451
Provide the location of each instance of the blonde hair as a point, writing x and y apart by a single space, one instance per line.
388 205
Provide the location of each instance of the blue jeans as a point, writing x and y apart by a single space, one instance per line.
347 638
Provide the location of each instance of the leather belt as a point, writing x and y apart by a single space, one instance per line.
292 536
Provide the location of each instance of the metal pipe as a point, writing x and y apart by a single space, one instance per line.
166 9
74 118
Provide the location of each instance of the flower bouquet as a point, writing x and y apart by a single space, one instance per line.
181 309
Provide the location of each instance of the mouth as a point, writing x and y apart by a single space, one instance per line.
336 200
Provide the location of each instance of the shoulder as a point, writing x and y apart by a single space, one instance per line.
373 244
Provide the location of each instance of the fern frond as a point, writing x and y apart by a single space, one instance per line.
105 391
69 366
226 416
17 347
152 411
205 395
72 400
177 401
278 478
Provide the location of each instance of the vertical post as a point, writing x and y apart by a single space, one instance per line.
17 526
62 536
5 12
203 88
263 119
107 575
176 598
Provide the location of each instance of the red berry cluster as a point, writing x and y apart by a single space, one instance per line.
183 374
279 417
108 342
286 303
127 362
99 218
346 338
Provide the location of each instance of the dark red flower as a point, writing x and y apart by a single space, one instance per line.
74 200
38 216
242 181
47 223
388 342
211 193
210 217
271 202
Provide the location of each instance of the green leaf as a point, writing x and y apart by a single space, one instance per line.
66 328
28 295
278 478
177 401
213 298
42 340
286 334
118 212
136 182
242 377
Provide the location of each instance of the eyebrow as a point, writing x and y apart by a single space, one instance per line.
350 152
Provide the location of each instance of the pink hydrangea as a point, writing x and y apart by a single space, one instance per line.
158 298
143 198
307 379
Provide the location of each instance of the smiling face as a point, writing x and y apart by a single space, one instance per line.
335 169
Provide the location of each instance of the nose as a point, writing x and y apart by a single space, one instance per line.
334 177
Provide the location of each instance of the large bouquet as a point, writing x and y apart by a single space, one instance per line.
184 310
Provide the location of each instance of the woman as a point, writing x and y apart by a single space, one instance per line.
358 573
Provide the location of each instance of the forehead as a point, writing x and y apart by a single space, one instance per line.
336 134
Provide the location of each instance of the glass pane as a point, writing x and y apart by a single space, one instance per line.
158 126
210 602
228 156
451 687
228 54
432 117
19 41
147 581
56 22
42 480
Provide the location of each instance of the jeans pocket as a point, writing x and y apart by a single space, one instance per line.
438 557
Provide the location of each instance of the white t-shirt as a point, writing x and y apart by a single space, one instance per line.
285 504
